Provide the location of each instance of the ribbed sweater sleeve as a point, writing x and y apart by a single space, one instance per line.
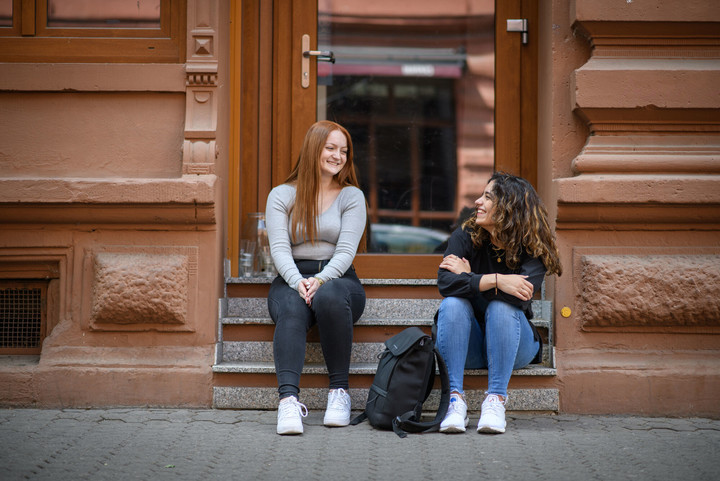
277 220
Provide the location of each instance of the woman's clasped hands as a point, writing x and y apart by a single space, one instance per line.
307 289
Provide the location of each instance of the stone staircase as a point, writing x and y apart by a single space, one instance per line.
244 372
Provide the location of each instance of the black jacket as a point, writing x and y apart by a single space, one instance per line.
484 260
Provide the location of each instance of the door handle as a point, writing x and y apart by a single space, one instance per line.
321 55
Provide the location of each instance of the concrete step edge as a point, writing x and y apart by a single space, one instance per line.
540 399
262 351
250 321
375 308
363 281
357 368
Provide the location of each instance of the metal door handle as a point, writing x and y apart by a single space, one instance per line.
322 55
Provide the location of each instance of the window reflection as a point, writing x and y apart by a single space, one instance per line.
103 14
6 12
414 85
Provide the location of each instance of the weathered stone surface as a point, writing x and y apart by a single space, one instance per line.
140 288
661 291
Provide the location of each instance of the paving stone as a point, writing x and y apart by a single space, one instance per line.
219 444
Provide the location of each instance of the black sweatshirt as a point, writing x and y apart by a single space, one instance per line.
484 260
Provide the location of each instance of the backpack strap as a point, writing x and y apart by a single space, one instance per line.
359 418
406 423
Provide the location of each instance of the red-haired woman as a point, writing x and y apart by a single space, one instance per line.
316 221
493 265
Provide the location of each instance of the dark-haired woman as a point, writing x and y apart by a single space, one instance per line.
316 222
493 265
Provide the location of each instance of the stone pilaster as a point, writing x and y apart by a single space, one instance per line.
201 111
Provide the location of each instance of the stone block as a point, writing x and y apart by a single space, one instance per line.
651 292
140 288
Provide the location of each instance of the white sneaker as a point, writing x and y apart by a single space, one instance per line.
290 414
492 418
338 408
456 419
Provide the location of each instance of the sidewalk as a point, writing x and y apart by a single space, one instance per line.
159 444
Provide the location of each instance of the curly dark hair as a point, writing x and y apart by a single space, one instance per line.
520 223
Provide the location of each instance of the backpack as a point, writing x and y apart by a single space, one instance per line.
402 383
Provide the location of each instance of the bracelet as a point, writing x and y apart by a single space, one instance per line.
496 283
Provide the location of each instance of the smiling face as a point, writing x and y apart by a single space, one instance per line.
485 208
334 154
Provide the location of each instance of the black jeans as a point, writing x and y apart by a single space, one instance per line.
335 308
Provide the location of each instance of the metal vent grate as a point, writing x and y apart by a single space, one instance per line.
22 317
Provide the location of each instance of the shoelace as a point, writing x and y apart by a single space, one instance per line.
288 408
494 404
454 407
338 396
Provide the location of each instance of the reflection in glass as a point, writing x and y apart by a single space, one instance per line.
6 12
414 85
103 14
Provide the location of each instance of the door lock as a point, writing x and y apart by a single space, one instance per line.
519 25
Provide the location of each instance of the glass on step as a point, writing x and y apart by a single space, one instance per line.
259 263
247 256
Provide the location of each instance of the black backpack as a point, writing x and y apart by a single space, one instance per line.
403 381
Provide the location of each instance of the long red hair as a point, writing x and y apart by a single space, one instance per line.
306 178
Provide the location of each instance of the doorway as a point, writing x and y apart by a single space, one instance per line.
435 99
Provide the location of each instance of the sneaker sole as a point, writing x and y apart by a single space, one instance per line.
289 432
331 423
490 430
455 429
452 430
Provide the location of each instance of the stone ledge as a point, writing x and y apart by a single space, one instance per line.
92 77
188 200
188 189
676 83
656 189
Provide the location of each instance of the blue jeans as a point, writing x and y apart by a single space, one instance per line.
336 307
503 341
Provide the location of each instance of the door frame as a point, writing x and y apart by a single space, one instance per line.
271 112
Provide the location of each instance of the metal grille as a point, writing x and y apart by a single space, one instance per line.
21 317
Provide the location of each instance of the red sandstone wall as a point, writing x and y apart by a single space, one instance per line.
632 157
108 173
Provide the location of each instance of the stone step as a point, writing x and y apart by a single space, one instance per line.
406 312
357 368
540 399
262 351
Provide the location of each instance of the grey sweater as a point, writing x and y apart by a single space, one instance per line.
339 231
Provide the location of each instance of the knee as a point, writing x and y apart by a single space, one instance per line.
330 296
453 310
502 312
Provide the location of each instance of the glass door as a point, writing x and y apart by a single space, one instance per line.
414 85
436 95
